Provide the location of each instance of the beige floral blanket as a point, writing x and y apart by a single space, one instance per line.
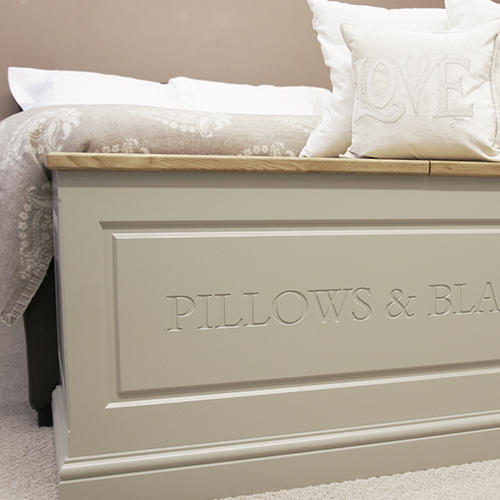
26 247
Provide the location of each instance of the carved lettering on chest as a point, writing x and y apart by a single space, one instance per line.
250 309
458 300
331 306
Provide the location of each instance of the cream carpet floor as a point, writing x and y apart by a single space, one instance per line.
28 471
27 460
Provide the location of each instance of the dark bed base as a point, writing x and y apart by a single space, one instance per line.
41 345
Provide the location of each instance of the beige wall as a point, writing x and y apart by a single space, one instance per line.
240 41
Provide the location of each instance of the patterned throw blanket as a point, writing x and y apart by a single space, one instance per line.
26 246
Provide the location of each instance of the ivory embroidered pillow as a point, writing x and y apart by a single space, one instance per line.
423 95
333 135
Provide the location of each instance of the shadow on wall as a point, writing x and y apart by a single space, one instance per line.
255 42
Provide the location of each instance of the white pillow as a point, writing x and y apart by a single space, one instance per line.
202 95
424 95
467 14
33 88
333 136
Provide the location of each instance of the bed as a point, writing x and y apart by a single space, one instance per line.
251 301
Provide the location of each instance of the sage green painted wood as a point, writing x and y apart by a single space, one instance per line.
227 326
